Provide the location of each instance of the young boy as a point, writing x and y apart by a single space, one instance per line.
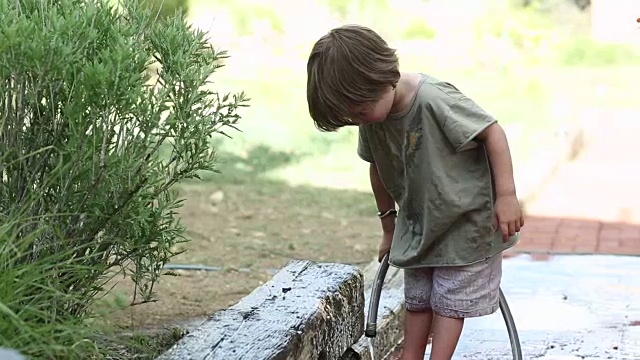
443 160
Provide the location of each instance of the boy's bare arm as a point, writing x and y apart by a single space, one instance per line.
508 213
384 201
495 141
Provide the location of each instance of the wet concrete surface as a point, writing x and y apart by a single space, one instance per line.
565 307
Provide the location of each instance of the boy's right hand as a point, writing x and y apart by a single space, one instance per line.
385 245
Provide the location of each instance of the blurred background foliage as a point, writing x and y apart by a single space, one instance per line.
532 63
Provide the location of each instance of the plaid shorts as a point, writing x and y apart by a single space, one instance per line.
455 291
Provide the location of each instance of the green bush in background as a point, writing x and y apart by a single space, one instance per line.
419 29
84 190
584 51
167 8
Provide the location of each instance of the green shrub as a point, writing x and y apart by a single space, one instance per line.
368 11
418 29
84 189
245 14
167 8
244 19
525 29
584 51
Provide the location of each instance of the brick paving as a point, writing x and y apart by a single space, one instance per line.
592 204
554 235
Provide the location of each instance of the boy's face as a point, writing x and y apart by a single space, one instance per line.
374 112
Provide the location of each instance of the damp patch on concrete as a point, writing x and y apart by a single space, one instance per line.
567 307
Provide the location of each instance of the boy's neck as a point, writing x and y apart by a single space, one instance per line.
406 88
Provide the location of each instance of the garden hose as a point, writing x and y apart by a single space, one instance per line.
374 302
516 350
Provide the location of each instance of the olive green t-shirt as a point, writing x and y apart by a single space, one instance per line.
439 176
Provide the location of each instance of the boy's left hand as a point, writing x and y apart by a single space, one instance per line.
508 216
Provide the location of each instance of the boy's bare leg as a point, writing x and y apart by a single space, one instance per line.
446 333
417 327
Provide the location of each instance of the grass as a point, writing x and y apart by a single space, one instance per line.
30 299
34 305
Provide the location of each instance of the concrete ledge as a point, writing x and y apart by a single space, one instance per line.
555 149
390 315
306 311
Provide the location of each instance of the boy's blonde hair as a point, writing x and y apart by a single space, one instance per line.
347 67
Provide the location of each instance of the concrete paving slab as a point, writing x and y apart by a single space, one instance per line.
568 307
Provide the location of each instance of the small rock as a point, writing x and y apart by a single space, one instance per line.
246 215
327 215
216 198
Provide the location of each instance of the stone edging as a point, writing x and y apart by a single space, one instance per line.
390 315
306 311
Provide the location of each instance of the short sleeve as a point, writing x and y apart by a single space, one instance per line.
364 150
463 121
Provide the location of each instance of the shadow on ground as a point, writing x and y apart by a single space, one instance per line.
248 167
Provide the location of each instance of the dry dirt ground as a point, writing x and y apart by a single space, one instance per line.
250 226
